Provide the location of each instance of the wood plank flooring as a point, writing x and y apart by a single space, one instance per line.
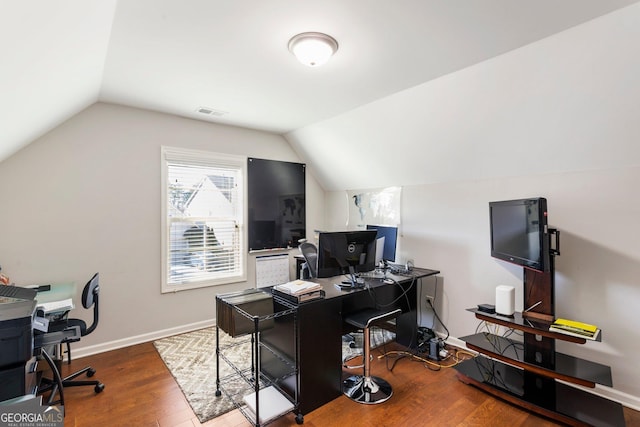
140 391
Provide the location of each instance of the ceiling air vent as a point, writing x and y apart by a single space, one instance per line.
211 112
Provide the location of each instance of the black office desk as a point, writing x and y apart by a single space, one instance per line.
320 328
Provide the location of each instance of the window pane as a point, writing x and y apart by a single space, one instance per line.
203 215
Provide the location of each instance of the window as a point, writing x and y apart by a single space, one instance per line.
202 219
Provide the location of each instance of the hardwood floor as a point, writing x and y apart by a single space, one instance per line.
140 391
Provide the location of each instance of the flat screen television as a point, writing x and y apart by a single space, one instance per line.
344 252
519 232
390 236
276 202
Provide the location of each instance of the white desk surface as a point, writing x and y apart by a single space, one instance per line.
58 298
58 292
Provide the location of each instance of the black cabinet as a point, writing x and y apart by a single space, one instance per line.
318 325
17 364
18 379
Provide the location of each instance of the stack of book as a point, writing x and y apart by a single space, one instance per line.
576 329
299 290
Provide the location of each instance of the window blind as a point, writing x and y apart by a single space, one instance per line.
203 219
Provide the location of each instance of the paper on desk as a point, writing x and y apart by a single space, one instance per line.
56 306
297 287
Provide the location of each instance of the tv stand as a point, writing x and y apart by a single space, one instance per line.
527 373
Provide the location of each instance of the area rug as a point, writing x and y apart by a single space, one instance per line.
191 359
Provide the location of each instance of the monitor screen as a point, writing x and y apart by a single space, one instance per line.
519 232
390 236
343 252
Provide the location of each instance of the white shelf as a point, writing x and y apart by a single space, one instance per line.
272 403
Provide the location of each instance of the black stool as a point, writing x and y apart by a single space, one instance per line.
366 388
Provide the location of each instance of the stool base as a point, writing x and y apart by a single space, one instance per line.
367 390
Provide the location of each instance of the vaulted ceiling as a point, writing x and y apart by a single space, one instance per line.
176 56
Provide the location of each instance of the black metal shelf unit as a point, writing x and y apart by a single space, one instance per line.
257 395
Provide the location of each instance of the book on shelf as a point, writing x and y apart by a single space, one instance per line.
298 287
308 296
576 329
311 296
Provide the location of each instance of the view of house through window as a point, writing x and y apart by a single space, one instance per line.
203 219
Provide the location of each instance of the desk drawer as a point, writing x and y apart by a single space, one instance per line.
233 322
18 380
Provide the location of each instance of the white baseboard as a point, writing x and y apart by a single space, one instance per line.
79 352
630 401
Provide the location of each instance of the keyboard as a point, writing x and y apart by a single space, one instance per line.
401 272
17 292
372 275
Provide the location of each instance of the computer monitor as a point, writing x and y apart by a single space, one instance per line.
344 252
390 236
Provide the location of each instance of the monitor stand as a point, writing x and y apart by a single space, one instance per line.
356 282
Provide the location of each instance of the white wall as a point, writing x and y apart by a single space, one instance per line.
557 119
86 197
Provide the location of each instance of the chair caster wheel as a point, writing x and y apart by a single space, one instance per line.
91 372
218 393
299 419
98 388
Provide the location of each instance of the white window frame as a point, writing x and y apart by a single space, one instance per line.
202 158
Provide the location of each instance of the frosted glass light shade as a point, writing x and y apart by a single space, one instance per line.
313 49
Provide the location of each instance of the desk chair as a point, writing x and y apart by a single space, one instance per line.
366 388
89 299
310 254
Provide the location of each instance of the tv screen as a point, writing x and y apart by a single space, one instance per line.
276 202
519 232
344 252
390 235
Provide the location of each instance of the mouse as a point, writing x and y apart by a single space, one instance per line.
388 281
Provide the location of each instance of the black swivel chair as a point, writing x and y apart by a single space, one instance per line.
310 254
89 299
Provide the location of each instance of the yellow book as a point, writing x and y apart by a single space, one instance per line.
575 324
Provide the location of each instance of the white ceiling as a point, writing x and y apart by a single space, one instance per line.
175 56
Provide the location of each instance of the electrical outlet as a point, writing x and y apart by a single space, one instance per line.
430 300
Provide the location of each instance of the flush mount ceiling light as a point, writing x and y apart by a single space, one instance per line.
313 49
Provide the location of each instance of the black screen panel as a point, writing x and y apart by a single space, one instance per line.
276 202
